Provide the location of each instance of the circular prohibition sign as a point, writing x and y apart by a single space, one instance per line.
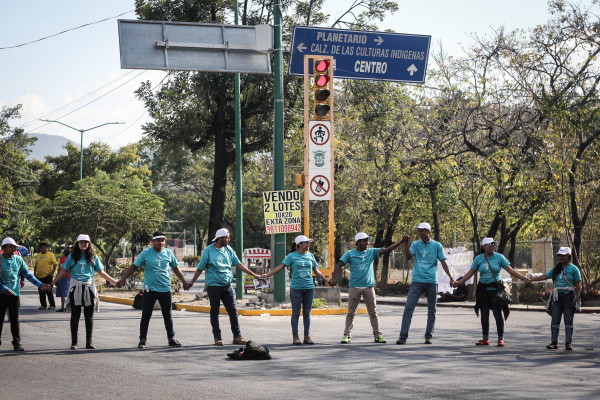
320 136
319 185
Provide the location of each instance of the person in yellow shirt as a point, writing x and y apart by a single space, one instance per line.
44 269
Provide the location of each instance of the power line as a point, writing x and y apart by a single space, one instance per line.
75 101
65 31
90 102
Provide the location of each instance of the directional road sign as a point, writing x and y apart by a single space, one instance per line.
369 55
188 46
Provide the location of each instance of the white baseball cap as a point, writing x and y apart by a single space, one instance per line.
424 225
360 236
301 238
487 241
563 251
84 238
221 233
9 240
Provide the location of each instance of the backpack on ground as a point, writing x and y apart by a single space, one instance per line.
253 351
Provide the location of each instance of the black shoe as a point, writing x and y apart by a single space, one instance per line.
568 346
401 341
142 344
174 343
60 310
428 341
90 346
17 346
552 346
74 346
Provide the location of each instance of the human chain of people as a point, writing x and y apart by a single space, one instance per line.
77 289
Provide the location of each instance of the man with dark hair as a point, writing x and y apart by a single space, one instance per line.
44 268
157 262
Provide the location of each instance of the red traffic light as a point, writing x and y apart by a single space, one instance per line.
321 80
321 65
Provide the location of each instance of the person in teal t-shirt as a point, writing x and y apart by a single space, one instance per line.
426 252
302 263
566 293
12 266
157 262
489 264
362 282
82 264
218 260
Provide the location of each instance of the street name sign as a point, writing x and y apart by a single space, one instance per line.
381 56
188 46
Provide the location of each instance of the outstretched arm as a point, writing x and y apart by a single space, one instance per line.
126 275
275 270
514 273
107 277
248 270
405 239
447 270
465 278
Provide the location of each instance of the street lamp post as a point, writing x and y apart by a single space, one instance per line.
81 142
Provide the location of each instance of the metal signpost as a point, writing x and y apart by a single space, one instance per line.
381 56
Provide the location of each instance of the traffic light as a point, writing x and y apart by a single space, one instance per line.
323 85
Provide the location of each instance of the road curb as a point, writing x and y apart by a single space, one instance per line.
206 309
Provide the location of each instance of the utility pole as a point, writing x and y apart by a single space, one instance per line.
278 150
239 211
81 142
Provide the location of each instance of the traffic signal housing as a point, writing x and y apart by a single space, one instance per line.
322 88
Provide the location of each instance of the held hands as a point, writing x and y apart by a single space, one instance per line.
405 239
187 286
332 282
527 281
120 283
45 288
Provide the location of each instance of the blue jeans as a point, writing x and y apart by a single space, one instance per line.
216 294
301 298
415 291
564 305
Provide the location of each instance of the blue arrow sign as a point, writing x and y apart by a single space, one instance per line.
380 56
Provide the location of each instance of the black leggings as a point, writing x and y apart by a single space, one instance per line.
88 314
486 298
12 303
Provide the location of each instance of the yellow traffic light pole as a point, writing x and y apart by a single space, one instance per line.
307 118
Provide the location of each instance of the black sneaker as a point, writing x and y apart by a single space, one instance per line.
174 343
428 341
73 347
401 341
142 344
90 346
568 346
552 346
17 346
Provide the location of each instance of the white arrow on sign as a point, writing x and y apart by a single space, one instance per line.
301 47
412 69
378 40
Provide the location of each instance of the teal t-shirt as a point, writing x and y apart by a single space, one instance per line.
218 264
570 272
11 269
497 261
426 259
157 267
82 270
361 266
301 266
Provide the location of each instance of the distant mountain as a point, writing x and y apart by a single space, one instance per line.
47 145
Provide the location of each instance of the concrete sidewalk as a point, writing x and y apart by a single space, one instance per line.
401 301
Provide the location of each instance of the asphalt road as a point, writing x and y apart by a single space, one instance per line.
451 368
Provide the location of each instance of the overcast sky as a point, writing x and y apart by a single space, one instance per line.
47 75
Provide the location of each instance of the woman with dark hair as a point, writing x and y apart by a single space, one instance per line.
82 263
489 264
62 287
566 293
301 263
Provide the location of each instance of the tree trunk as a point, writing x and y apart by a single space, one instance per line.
218 196
389 234
433 187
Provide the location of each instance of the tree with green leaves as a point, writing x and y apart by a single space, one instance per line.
110 208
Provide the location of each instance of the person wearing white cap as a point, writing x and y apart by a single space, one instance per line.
157 262
218 260
489 264
565 296
427 252
362 282
302 264
11 268
81 264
